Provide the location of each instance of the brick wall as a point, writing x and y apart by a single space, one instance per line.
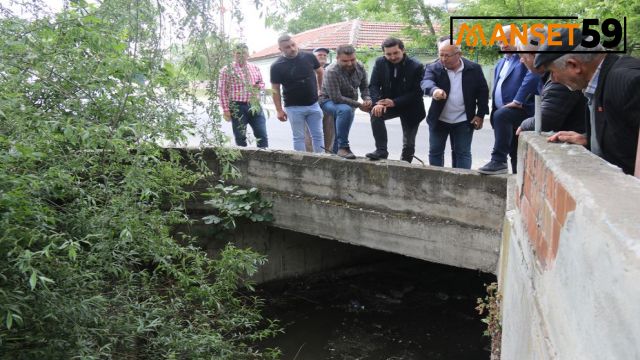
544 203
570 256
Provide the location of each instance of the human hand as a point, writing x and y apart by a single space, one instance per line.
365 106
477 122
226 115
514 105
570 137
518 130
282 116
386 103
378 110
439 94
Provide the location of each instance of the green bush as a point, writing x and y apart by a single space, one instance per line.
88 198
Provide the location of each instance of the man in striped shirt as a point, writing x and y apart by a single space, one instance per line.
239 87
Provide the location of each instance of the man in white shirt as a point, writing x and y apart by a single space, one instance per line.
460 97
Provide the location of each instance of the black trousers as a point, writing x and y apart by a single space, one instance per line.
505 122
410 123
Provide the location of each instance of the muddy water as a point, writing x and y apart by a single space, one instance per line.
398 308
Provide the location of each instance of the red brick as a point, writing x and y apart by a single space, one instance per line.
569 202
531 222
542 250
547 220
550 185
555 239
529 161
534 200
526 186
559 204
539 171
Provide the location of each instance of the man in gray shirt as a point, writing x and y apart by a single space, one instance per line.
339 95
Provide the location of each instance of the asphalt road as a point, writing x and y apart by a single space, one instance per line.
361 137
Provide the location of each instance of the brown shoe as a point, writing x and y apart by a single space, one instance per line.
346 153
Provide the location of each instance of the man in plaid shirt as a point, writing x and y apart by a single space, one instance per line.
239 87
340 95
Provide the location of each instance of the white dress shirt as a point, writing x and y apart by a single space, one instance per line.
453 111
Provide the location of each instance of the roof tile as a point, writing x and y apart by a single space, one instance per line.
355 32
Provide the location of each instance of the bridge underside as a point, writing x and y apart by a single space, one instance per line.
452 217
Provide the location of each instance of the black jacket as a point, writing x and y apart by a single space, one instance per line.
560 108
409 98
617 103
474 90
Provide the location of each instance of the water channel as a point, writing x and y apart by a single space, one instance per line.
396 308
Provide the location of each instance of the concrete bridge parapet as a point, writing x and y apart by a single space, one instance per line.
442 215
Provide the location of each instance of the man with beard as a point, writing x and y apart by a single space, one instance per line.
395 91
340 95
300 75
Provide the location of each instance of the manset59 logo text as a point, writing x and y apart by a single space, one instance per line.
471 33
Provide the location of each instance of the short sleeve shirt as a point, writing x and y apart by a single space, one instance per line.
298 79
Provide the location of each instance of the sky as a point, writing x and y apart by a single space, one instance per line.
252 30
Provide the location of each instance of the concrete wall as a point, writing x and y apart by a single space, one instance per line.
289 253
570 262
434 214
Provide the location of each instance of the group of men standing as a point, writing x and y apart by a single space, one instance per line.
460 98
394 91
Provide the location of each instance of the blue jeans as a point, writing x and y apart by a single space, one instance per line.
505 121
461 135
310 115
241 115
343 115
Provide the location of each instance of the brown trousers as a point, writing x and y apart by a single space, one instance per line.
329 130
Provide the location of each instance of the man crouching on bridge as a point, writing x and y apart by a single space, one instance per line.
395 91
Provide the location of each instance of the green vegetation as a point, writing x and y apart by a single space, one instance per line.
426 22
88 197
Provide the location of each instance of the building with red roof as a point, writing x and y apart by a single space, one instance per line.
359 33
355 32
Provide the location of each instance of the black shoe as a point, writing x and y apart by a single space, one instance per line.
377 155
493 168
407 155
346 153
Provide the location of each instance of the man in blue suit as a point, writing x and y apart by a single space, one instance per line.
514 87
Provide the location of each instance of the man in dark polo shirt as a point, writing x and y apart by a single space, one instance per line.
300 75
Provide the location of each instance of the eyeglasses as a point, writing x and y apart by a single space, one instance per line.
446 56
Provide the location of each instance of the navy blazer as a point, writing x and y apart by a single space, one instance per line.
520 84
474 90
